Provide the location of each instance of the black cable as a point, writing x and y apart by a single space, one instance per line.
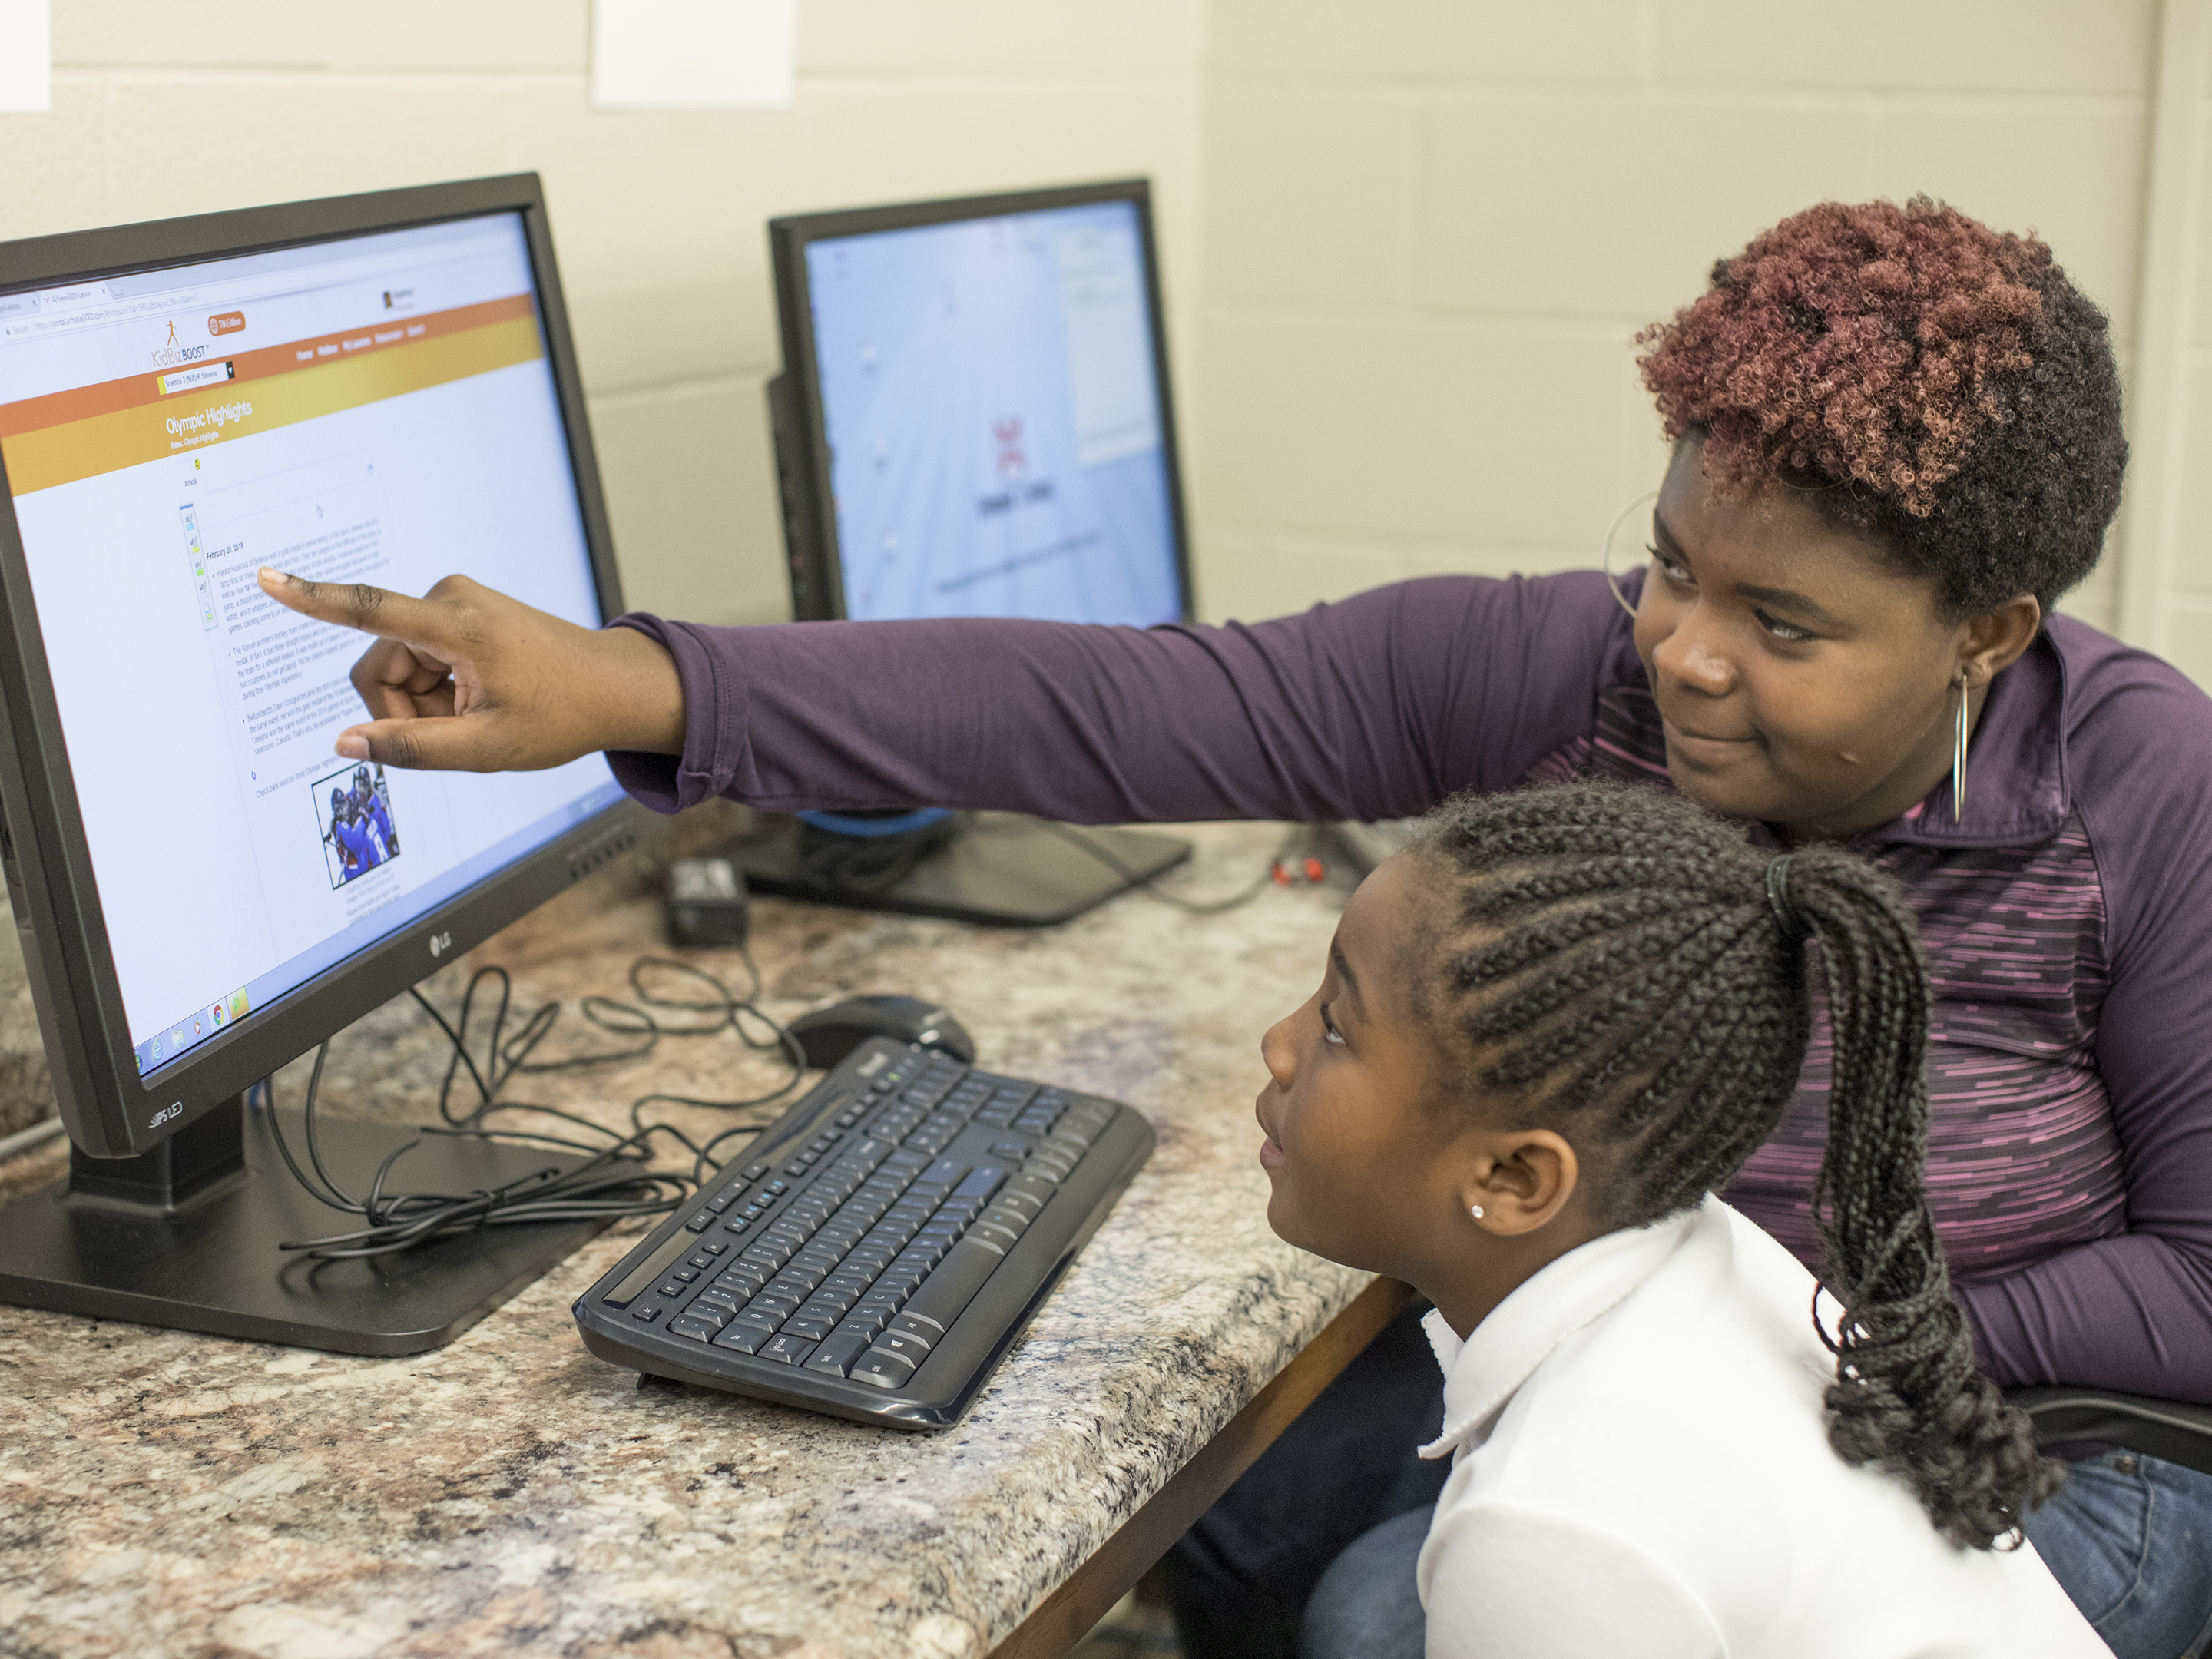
612 1180
1150 885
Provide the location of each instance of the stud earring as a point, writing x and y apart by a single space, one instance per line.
1475 1210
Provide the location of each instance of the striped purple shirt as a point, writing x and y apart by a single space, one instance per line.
2067 918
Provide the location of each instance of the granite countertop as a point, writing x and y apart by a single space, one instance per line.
163 1493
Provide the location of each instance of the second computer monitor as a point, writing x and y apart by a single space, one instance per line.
975 418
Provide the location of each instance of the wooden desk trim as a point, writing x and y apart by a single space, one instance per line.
1066 1617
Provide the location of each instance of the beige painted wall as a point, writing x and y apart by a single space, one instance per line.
161 109
1433 225
1405 241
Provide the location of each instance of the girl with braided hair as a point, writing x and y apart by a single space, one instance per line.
1893 442
1545 1036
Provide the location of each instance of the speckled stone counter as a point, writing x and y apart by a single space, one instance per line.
163 1493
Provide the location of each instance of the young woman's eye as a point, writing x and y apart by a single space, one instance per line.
1782 631
1328 1031
1672 569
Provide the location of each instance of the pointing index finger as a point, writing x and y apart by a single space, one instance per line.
356 605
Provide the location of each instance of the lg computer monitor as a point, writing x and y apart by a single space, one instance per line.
380 389
976 417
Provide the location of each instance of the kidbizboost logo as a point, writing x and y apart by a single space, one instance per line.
171 352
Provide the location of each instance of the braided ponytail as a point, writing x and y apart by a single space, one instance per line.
1907 1398
1616 957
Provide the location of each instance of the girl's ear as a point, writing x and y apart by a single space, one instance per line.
1519 1179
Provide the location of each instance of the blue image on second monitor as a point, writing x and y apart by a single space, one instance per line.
993 411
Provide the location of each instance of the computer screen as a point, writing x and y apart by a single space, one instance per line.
375 408
994 406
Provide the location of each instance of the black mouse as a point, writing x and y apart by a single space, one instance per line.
828 1034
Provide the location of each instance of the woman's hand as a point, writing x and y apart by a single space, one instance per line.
467 679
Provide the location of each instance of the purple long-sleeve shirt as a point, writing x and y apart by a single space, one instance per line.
2067 918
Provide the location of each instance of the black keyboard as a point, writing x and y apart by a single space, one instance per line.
881 1247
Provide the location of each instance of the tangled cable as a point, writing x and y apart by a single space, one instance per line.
613 1180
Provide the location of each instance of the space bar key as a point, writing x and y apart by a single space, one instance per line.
954 1284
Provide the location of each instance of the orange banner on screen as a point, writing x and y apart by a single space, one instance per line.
81 402
360 367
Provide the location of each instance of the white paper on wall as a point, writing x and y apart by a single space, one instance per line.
26 55
693 54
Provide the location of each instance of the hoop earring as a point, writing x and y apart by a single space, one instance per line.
1605 549
1958 756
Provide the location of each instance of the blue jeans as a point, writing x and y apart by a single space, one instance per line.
2129 1537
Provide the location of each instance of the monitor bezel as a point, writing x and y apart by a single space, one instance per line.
108 1108
817 571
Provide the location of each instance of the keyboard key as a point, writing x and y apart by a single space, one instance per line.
697 1329
1016 1149
885 1370
1020 1203
864 1324
648 1311
920 1325
990 1232
812 1329
719 1301
742 1338
702 1221
838 1352
1005 1215
774 1305
946 1172
981 1183
671 1290
791 1349
753 1319
911 1349
954 1284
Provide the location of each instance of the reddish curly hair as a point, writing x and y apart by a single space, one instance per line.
1934 380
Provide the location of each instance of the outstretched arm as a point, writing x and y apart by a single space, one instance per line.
1376 706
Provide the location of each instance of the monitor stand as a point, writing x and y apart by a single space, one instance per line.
187 1235
1001 869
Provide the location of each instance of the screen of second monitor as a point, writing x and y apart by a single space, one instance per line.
377 409
992 403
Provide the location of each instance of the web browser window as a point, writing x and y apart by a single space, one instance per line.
991 402
379 409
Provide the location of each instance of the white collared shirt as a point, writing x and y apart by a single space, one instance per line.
1642 1468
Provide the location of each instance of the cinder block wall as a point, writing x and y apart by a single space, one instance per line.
162 110
1407 242
1432 226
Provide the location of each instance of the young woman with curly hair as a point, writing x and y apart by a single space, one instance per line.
1896 442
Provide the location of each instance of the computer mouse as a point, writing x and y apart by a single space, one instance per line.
828 1034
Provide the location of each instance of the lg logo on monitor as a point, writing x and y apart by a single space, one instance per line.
440 943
